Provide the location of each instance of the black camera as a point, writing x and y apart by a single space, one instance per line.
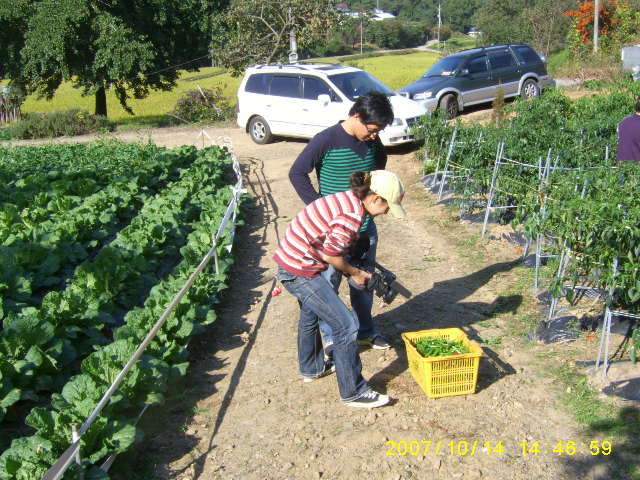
383 282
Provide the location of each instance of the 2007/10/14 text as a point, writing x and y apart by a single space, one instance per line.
525 448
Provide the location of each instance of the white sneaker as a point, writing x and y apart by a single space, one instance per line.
369 399
329 368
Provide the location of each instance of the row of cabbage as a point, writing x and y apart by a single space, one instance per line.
92 327
52 220
588 204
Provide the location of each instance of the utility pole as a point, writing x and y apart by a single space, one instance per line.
293 47
439 24
293 43
361 15
596 26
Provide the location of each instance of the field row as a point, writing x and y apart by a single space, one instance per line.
559 174
106 308
43 238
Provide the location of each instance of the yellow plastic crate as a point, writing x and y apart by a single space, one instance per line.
444 376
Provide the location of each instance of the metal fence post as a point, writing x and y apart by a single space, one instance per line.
494 177
446 164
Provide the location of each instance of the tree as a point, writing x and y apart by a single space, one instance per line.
443 32
13 18
619 25
394 33
584 19
257 31
458 14
502 22
128 46
547 24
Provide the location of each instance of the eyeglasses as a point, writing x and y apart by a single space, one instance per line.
371 131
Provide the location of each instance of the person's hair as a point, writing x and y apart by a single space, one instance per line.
360 183
373 108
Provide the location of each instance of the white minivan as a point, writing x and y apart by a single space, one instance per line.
300 100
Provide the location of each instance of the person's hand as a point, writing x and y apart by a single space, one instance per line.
361 277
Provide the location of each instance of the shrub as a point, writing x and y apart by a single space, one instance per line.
57 124
6 133
334 45
396 33
202 106
445 33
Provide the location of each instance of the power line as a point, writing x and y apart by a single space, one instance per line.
175 66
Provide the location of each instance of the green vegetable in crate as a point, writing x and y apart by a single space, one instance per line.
439 347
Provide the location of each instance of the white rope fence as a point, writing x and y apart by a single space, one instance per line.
73 452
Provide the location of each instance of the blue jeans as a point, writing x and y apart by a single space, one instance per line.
318 300
361 300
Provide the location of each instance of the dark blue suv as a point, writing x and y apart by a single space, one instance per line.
470 77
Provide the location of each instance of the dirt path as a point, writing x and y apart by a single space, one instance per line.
244 414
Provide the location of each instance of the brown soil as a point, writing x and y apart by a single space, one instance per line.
243 413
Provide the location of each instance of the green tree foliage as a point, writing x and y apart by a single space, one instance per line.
540 23
396 33
13 18
626 30
547 24
97 45
501 21
458 14
442 32
257 31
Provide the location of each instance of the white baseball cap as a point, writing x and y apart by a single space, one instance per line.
388 186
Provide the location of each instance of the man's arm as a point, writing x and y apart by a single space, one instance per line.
381 155
307 161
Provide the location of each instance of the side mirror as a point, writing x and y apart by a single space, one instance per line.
464 72
324 99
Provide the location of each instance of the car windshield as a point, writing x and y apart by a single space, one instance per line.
356 84
445 67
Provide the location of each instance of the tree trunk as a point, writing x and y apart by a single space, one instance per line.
101 101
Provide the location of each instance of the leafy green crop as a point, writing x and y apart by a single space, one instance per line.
114 431
440 347
588 204
43 344
41 246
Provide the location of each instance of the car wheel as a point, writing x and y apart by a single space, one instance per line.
259 130
530 89
449 104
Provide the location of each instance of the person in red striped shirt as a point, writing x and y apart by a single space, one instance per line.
319 236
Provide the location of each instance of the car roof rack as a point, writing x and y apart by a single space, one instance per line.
489 48
302 66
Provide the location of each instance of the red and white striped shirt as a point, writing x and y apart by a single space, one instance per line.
326 226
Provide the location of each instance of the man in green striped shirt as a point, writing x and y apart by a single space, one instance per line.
335 153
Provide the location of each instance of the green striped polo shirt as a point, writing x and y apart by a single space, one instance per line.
335 155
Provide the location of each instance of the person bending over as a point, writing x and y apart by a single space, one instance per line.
319 237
